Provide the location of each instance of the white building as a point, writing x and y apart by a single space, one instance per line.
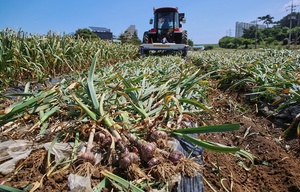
131 30
240 26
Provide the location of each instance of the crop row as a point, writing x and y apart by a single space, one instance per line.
114 110
267 77
34 57
132 103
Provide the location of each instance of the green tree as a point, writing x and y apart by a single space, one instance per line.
249 33
285 21
135 39
190 43
128 37
253 33
234 42
247 42
266 19
123 38
85 33
269 40
283 33
274 35
238 41
226 42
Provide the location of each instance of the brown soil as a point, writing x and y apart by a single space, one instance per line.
277 161
276 166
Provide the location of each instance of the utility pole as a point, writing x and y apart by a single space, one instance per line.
291 20
297 31
255 34
229 32
256 27
297 34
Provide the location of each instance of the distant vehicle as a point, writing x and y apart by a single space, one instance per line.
198 47
166 33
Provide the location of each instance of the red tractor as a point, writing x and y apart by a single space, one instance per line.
166 33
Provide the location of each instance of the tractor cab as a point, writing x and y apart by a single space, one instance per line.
166 22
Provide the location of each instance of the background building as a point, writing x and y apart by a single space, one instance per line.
131 30
102 32
240 26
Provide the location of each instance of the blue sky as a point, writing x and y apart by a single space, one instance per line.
207 21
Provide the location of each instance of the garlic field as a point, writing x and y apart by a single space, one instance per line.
114 120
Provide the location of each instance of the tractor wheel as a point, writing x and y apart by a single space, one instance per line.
145 37
145 40
184 53
184 39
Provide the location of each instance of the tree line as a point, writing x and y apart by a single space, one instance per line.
125 37
278 34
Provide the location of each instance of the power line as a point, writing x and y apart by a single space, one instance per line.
283 10
292 6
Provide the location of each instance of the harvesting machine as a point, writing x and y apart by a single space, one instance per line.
166 33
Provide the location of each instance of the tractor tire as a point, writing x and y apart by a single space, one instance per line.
184 39
184 53
145 40
145 37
